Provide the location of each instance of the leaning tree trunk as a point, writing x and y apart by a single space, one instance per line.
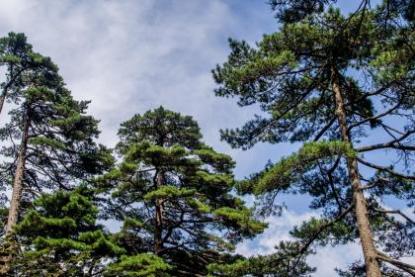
9 246
18 180
2 98
361 213
14 75
158 239
6 87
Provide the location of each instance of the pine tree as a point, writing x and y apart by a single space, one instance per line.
174 195
59 236
318 80
57 142
57 139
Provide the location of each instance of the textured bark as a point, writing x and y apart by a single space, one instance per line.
18 180
361 213
10 246
158 239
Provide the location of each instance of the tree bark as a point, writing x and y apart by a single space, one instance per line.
158 239
18 180
9 246
361 213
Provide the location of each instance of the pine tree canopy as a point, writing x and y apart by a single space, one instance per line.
330 81
174 194
60 236
57 146
20 62
61 136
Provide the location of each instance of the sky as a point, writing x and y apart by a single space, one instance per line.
131 56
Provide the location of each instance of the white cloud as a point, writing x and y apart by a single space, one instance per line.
128 56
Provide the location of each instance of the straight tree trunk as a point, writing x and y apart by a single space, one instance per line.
361 213
158 239
18 180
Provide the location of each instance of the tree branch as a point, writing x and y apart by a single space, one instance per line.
395 144
401 265
383 168
325 128
374 117
396 212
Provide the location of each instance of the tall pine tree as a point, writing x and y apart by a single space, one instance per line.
318 81
174 195
57 140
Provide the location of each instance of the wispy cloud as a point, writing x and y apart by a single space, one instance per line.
129 56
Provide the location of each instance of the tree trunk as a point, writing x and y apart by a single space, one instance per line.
2 99
18 181
158 239
9 247
361 213
7 86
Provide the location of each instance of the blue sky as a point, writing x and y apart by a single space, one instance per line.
130 56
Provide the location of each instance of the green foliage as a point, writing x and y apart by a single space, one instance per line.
62 137
182 129
146 264
296 93
324 77
286 171
285 262
339 232
167 173
60 236
166 192
289 11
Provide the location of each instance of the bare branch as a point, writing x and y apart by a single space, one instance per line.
396 212
387 112
387 169
401 265
395 144
325 128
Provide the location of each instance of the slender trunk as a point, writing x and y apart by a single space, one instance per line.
2 99
361 213
18 180
158 239
6 87
9 247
